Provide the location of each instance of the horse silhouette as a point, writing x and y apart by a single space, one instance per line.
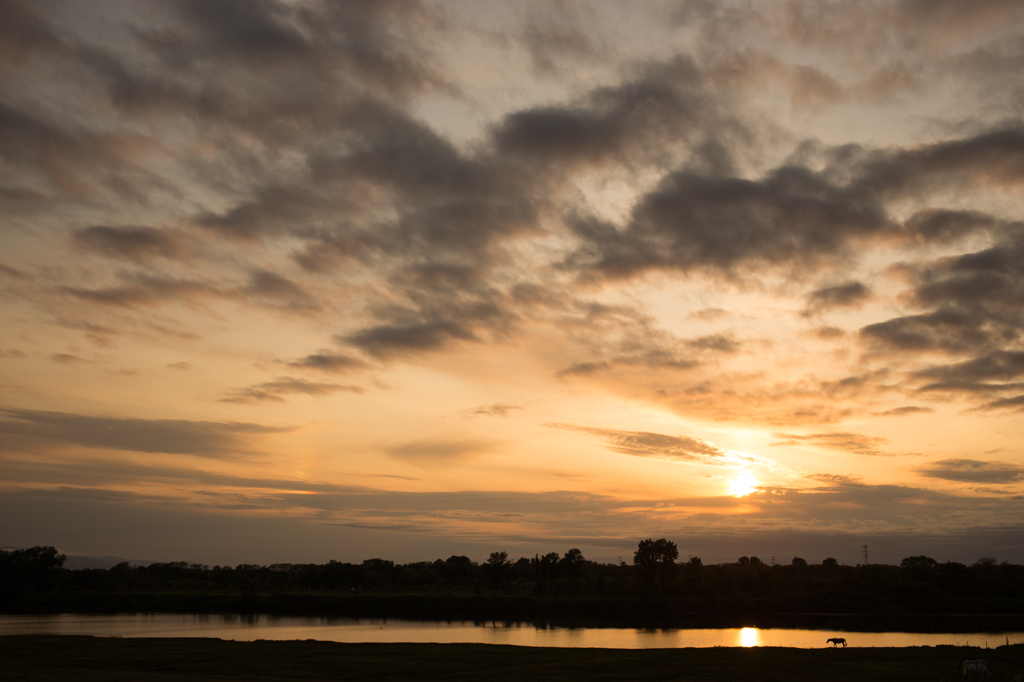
836 641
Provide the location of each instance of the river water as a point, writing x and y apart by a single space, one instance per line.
248 628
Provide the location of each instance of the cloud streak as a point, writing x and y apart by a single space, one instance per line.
646 444
173 436
972 471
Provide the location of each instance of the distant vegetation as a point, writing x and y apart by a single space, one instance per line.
34 580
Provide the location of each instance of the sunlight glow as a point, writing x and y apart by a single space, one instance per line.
750 637
743 484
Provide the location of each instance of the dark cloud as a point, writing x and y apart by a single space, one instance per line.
972 471
404 204
328 361
645 444
174 436
941 226
140 244
276 389
995 156
999 365
850 295
72 163
794 216
369 41
948 329
972 314
388 340
11 353
278 71
1016 403
613 124
279 292
179 365
24 34
144 289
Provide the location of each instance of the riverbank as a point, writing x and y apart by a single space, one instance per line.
88 659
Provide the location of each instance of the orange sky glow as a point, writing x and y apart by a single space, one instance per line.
304 280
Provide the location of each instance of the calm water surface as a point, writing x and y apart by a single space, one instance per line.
248 628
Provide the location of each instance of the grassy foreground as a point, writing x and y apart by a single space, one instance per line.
43 657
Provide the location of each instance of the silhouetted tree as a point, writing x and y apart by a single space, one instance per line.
830 563
917 568
572 567
378 573
573 560
35 568
799 563
456 569
497 567
655 559
545 572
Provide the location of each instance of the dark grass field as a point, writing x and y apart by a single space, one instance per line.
42 657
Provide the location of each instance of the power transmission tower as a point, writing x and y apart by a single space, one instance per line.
865 554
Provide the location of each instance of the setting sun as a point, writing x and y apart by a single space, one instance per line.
742 484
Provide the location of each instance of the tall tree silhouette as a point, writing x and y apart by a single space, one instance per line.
655 560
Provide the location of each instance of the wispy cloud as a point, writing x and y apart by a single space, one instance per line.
492 410
972 471
853 443
275 390
174 436
646 444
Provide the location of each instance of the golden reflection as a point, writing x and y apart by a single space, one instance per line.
743 484
750 637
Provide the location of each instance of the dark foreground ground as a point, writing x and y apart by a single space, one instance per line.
44 657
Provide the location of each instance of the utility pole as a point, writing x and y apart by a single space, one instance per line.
865 555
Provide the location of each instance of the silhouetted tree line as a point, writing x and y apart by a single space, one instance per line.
917 584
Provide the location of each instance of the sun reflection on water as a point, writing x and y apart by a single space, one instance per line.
750 637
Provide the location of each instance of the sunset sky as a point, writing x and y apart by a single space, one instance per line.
288 281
